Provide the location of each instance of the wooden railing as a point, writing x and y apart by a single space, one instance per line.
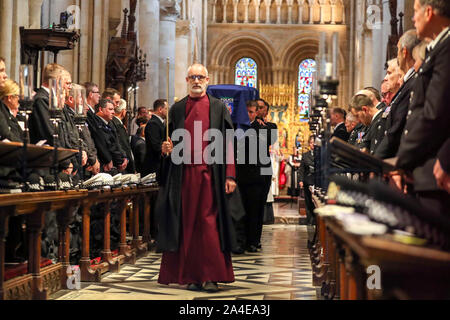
39 282
345 266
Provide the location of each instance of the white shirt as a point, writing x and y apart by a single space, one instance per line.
375 115
408 74
444 33
161 119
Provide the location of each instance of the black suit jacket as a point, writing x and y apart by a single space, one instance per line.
155 135
427 126
124 141
139 150
341 132
40 125
9 126
396 120
306 171
249 165
106 142
375 133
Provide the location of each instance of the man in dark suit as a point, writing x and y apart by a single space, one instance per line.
40 125
105 137
372 118
337 117
138 145
306 178
155 135
351 124
427 127
251 181
122 134
262 112
375 95
398 109
92 100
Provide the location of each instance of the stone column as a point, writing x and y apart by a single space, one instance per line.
6 22
34 7
235 5
256 4
183 56
278 3
246 3
213 18
322 12
268 2
149 44
225 3
333 11
86 31
290 3
300 11
311 11
169 12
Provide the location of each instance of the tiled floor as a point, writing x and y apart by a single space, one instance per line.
280 271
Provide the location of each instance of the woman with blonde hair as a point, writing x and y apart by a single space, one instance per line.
9 126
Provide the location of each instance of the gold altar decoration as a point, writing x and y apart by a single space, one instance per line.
284 111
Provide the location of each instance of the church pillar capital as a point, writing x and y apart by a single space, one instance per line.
170 10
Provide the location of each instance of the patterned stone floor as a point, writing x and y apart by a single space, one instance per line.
280 271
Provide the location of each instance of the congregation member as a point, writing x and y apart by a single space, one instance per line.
155 135
9 107
424 142
337 118
93 165
41 126
396 118
120 112
195 228
138 145
109 151
352 125
372 118
391 82
142 112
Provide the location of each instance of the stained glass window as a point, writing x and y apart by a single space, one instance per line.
246 73
305 77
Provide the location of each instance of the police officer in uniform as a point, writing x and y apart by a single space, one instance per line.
427 128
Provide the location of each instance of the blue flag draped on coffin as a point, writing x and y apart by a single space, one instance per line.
235 98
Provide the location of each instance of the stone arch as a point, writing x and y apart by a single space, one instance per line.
235 46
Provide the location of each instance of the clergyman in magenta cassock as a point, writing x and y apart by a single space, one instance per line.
195 227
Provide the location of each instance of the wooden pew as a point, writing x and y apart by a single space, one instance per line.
37 283
139 246
407 271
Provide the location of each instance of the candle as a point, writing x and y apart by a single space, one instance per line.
329 70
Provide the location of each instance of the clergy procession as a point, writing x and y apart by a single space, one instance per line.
167 176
